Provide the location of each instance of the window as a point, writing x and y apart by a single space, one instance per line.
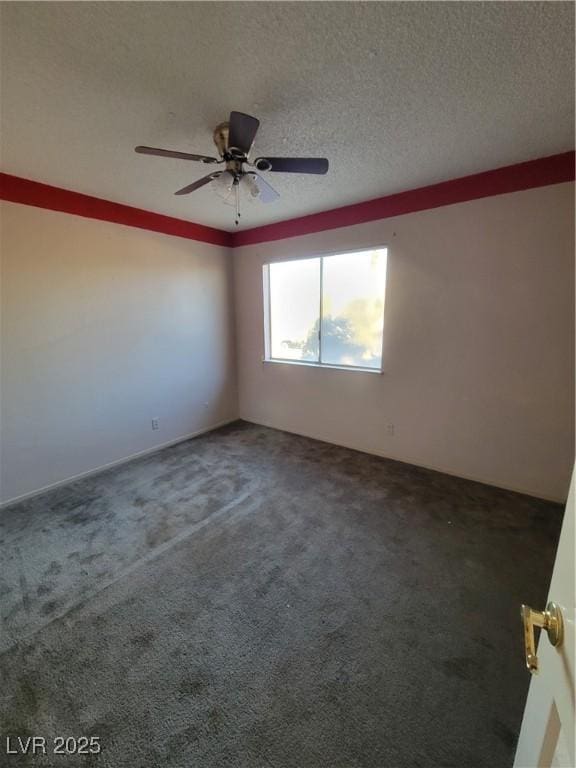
327 310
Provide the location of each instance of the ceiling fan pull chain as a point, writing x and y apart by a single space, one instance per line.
237 186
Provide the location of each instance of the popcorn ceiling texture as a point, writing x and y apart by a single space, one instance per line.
396 95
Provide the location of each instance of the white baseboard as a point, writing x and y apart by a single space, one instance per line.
117 462
383 455
190 435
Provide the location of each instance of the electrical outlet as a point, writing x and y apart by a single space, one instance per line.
390 430
155 423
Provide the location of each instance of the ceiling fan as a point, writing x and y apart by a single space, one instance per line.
234 141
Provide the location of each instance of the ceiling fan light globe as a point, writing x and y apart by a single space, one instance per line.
222 186
249 187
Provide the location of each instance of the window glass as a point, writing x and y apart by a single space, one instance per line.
353 308
327 310
294 309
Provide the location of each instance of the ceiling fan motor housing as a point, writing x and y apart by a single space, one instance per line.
220 135
233 156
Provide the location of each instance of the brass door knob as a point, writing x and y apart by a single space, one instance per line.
550 620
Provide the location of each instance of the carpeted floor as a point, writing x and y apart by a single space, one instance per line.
254 599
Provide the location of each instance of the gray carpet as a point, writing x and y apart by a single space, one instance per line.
254 599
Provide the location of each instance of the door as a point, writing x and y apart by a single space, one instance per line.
547 733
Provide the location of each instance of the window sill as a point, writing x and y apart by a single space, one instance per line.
303 364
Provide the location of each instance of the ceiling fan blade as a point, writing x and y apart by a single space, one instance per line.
292 164
266 193
197 184
172 153
242 131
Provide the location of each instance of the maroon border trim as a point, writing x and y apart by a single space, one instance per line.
18 190
511 178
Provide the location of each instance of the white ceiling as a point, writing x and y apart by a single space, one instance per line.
396 95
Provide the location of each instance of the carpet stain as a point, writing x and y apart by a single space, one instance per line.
19 717
504 733
91 558
463 668
25 597
50 607
193 685
143 640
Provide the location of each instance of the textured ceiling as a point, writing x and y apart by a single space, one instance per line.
396 95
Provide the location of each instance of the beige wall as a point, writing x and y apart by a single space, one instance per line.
105 327
479 364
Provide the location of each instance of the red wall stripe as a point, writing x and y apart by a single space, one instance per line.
28 192
511 178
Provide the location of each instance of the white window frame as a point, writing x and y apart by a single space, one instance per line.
267 358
